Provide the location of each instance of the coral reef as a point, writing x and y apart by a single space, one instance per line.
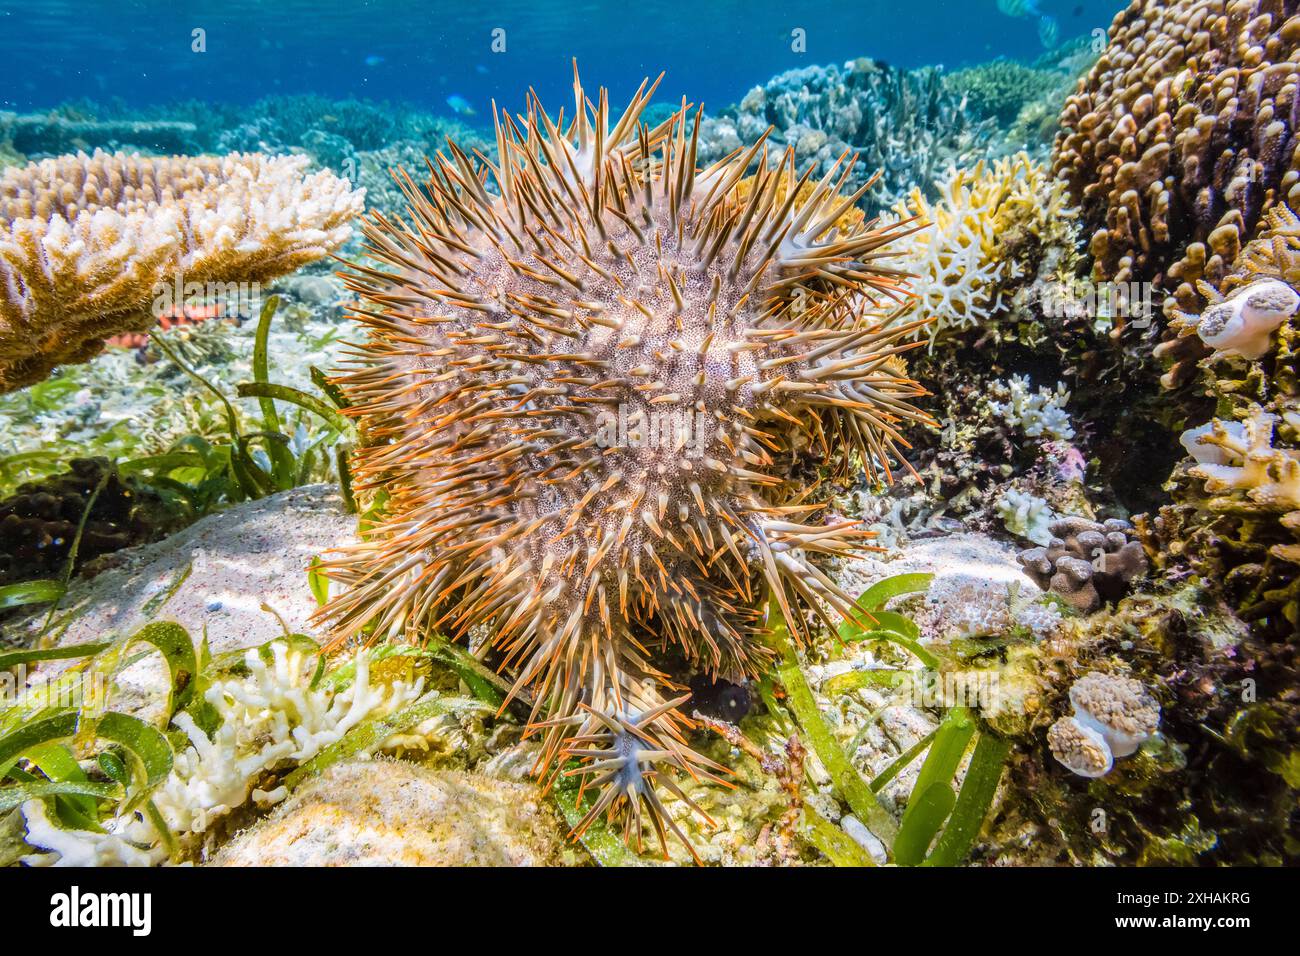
905 124
1086 562
1180 138
994 228
535 477
51 134
88 241
1236 519
1000 89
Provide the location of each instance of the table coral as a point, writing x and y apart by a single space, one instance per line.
87 242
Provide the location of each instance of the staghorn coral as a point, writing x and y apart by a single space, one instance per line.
1086 562
515 354
906 125
87 241
992 229
1181 138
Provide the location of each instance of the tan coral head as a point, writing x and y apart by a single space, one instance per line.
87 243
591 375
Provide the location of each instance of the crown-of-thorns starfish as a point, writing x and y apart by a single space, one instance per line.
525 347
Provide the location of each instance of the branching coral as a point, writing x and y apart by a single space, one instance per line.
906 125
87 241
587 400
1038 414
990 229
1182 136
1026 515
273 716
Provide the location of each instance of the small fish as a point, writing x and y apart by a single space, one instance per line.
460 105
480 69
373 59
1049 31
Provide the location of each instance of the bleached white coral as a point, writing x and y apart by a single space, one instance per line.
270 717
1039 414
76 847
967 259
1026 515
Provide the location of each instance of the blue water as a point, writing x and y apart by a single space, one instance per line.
140 51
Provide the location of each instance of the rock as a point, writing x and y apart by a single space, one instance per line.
231 563
395 813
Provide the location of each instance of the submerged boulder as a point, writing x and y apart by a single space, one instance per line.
396 813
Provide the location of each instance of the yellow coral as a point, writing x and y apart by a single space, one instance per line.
989 221
1251 464
86 241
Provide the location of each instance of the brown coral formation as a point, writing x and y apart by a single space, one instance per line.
1086 562
1182 137
38 523
88 242
1237 517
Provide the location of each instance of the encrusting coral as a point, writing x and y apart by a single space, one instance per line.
87 242
1181 138
586 399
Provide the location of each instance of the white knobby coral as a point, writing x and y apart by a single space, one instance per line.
1026 515
1039 414
270 717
